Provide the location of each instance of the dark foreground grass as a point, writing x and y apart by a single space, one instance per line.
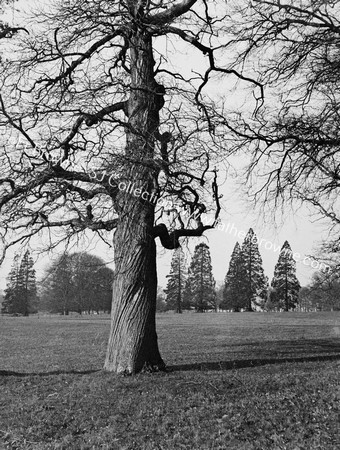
236 381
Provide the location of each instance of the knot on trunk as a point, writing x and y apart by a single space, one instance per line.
159 92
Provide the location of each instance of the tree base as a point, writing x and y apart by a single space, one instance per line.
147 368
153 368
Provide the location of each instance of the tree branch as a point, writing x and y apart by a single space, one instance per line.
87 55
170 14
92 119
171 240
193 40
7 31
108 225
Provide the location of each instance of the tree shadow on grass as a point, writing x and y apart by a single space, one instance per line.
244 363
10 373
274 352
269 352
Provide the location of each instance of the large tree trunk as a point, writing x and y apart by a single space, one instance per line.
133 340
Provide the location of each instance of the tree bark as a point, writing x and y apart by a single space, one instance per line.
133 342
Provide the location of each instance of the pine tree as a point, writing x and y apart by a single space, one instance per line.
200 287
285 285
21 290
10 304
256 283
27 287
235 292
176 282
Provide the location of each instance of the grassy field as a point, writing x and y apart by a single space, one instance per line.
236 381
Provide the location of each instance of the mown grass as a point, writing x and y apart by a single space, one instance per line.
236 381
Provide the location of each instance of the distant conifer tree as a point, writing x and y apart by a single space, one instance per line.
256 283
10 301
200 286
235 292
28 285
176 283
21 290
285 284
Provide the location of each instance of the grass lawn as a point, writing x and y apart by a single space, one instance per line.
236 381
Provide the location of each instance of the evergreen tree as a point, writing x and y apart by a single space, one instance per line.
200 287
10 301
255 281
285 285
21 290
176 282
235 292
27 285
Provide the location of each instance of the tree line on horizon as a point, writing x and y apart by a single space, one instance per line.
245 288
81 282
78 282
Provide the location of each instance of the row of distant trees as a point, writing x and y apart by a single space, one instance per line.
323 293
78 282
193 288
81 282
245 286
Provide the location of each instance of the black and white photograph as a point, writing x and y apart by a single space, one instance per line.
169 225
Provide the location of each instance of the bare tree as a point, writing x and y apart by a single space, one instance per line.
102 128
323 293
294 138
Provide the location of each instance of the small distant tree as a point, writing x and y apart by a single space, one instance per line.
11 300
78 282
200 287
235 291
176 282
57 288
323 293
27 285
255 281
219 295
285 284
305 300
103 286
161 305
271 303
21 291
